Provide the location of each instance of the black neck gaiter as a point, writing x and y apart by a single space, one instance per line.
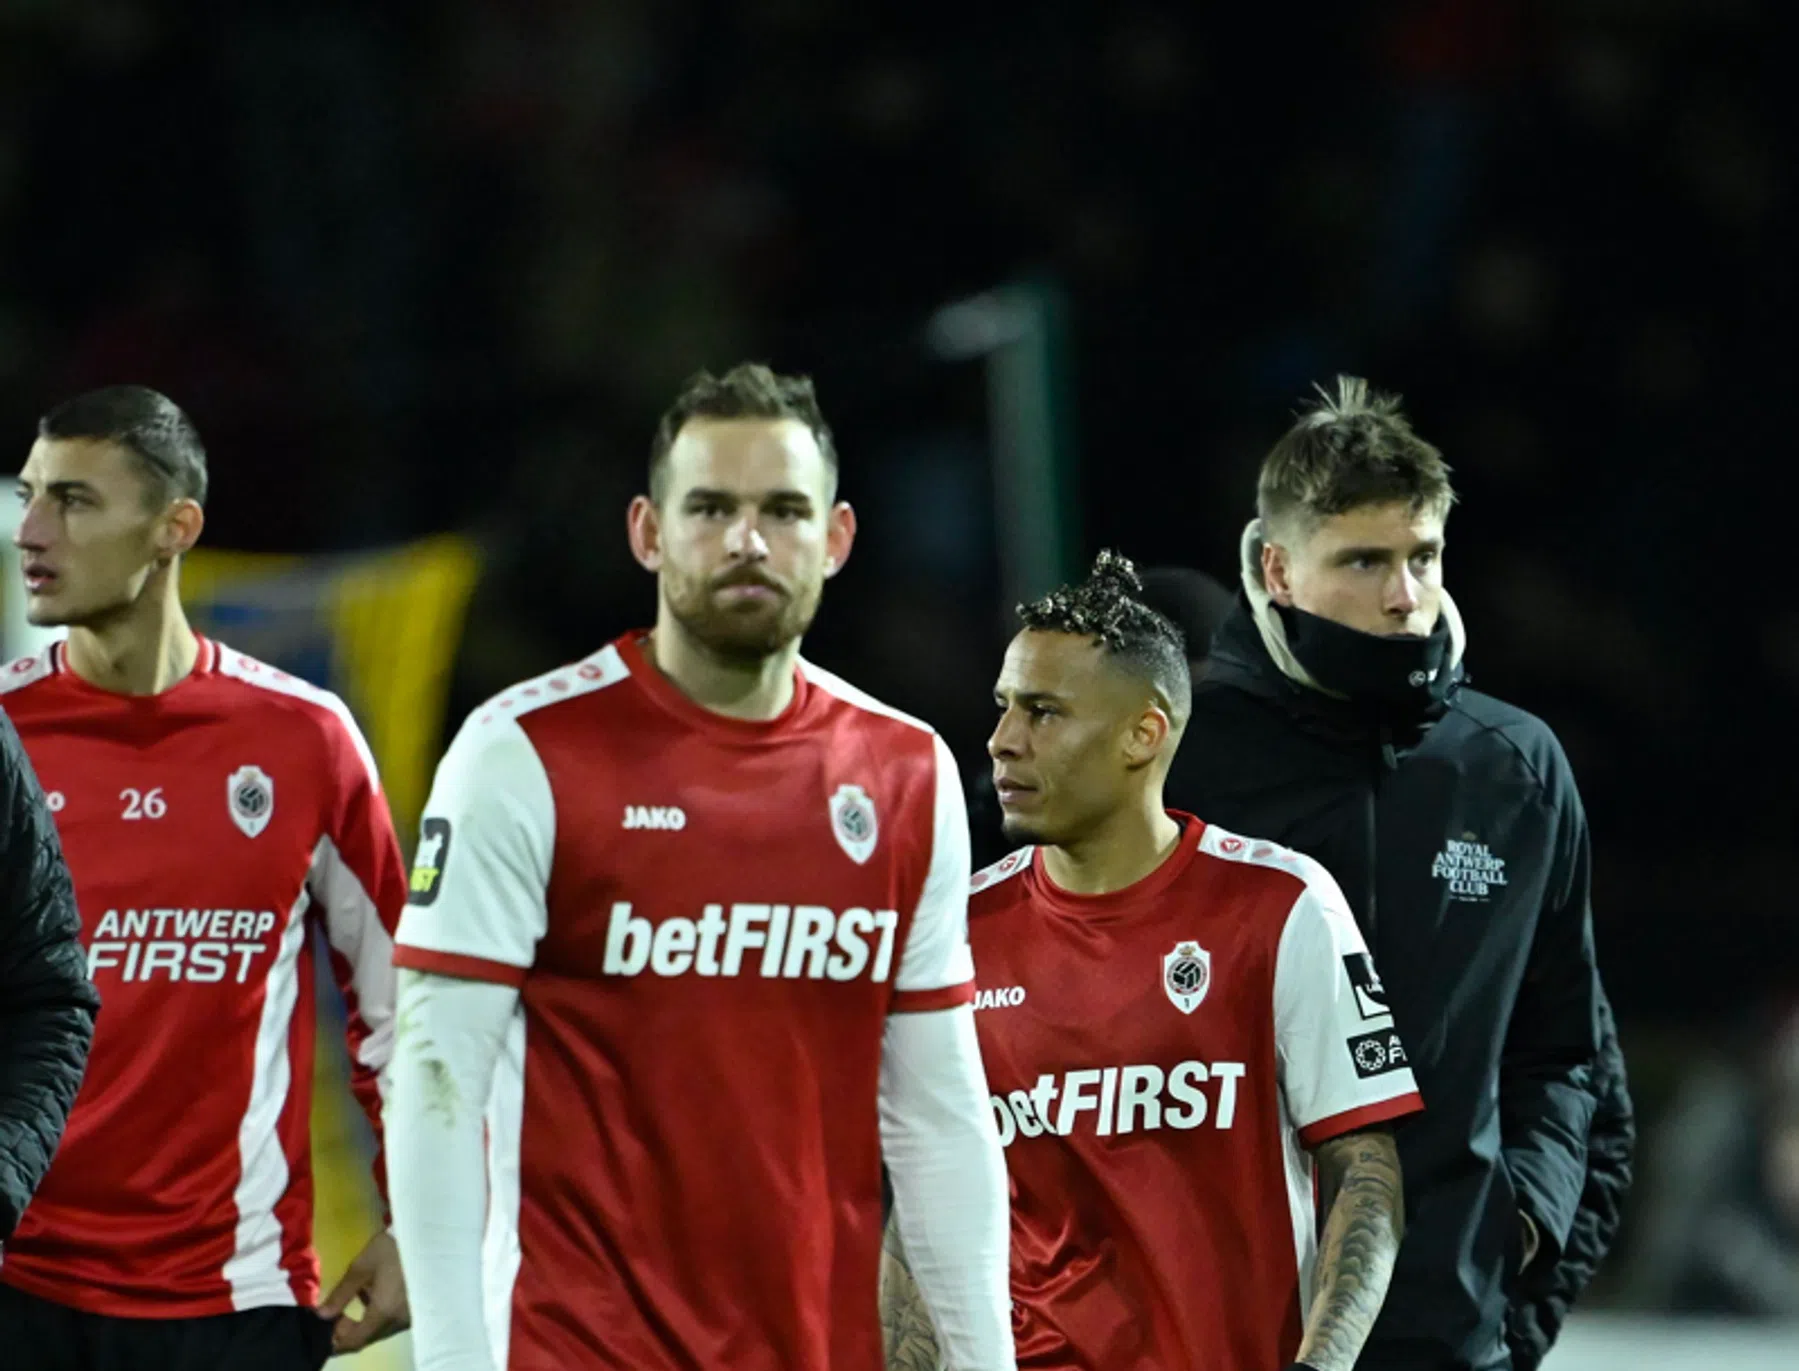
1412 675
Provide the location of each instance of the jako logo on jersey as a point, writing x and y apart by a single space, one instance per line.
1122 1099
252 797
183 944
655 816
428 865
1006 997
853 822
795 941
1472 871
1377 1053
1187 975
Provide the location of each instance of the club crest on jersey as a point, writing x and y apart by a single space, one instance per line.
1187 975
853 822
252 797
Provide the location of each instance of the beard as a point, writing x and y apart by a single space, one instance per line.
746 631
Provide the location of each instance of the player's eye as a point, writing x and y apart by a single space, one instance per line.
1039 713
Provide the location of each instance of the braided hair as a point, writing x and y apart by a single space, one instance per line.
1109 607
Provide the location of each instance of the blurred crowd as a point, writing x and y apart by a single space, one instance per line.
423 266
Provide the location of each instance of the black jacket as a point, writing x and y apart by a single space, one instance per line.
1548 1293
1457 834
47 1002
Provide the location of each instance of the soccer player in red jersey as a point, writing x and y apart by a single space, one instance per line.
215 813
1182 1032
686 958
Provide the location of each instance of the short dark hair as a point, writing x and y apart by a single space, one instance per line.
1345 451
748 390
1109 606
161 439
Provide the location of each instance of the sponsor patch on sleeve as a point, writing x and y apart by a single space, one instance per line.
1370 994
428 865
1377 1053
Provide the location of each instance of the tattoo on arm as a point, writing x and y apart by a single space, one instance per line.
907 1336
1360 1171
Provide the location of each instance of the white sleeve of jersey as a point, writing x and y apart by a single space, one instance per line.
1341 1062
450 1037
482 871
936 971
949 1182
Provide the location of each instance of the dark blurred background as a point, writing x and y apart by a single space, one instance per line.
438 267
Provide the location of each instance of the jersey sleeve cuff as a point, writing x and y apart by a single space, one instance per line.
922 1001
1366 1116
459 965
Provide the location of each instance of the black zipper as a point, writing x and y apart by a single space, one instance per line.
1386 759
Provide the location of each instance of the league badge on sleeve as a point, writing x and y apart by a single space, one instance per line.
853 822
429 862
1370 994
1187 975
251 794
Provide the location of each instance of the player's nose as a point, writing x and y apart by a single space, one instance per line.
33 532
744 539
1006 739
1403 592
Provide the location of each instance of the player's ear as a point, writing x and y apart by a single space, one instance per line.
643 522
1277 573
840 536
1148 736
181 525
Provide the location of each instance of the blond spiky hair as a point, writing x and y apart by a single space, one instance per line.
1347 450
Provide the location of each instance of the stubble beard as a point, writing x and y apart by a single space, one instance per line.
745 633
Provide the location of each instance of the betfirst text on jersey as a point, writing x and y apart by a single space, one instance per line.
789 942
1115 1100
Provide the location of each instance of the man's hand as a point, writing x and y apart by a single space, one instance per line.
374 1278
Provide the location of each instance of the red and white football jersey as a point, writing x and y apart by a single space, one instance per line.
1161 1058
209 830
709 921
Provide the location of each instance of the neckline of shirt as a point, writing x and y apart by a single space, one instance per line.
206 661
671 698
1117 903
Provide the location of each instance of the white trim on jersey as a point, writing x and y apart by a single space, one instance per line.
1321 1024
1008 866
353 928
240 666
936 955
24 671
254 1271
491 895
593 672
833 684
